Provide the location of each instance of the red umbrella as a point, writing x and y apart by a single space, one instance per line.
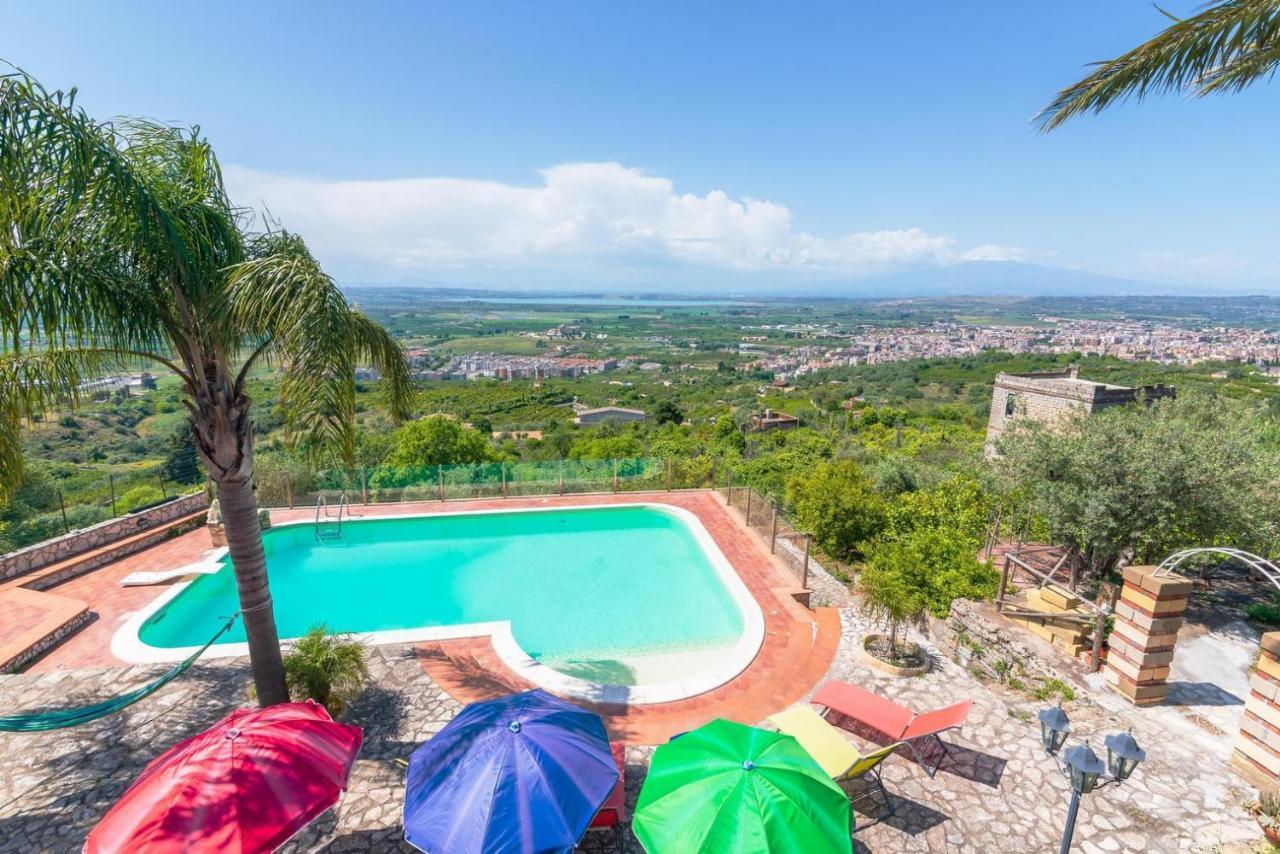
243 786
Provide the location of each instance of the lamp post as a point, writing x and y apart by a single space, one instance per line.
1082 767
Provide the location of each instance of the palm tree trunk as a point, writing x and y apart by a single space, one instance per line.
244 541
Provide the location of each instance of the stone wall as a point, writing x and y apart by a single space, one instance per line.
46 643
975 636
49 552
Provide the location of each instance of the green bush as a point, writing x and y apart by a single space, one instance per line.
140 496
326 667
46 526
936 565
836 503
1267 613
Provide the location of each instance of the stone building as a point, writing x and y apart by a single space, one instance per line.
1050 396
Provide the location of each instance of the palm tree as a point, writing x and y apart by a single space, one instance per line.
1224 47
118 244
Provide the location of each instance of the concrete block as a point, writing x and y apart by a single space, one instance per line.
1157 625
1263 687
1251 771
1138 599
1268 666
1263 711
1253 727
1052 594
1160 586
1152 675
1259 753
1123 666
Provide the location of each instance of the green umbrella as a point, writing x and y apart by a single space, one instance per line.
729 787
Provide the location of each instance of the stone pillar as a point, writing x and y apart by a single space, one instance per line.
1147 619
1257 750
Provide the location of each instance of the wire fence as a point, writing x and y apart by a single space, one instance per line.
771 521
302 487
70 498
391 484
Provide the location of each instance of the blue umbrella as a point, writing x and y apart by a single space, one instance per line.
524 773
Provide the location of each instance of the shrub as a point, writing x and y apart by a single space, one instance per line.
835 502
890 591
326 667
1267 613
140 496
46 526
938 565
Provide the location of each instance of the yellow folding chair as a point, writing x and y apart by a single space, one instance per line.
830 749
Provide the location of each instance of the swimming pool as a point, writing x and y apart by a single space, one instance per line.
631 602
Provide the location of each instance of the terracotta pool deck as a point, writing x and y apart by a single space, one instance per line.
798 647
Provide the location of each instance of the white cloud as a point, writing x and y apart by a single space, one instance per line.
580 213
994 252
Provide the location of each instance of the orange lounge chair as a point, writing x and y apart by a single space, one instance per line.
886 716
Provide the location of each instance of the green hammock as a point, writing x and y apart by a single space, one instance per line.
40 721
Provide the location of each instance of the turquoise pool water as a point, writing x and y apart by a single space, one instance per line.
580 586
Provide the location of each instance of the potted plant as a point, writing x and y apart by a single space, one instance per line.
1266 810
890 596
326 667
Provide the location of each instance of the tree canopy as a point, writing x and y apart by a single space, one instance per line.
439 440
1140 482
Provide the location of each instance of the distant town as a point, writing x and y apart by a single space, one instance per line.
833 345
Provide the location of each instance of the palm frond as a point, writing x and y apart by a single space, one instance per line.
283 296
1224 47
375 347
108 231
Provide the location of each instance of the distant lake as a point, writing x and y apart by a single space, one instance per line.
654 302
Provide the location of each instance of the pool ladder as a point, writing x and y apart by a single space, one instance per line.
329 531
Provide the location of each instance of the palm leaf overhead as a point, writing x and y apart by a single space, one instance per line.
1224 47
118 243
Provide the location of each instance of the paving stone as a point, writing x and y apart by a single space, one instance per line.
1000 792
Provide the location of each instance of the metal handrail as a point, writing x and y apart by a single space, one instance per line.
1263 566
322 505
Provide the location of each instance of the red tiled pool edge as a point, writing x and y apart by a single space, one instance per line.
798 647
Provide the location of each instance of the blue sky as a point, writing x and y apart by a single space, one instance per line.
696 145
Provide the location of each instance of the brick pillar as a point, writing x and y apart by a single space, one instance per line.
1257 751
1147 619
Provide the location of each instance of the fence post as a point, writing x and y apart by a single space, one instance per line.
288 490
364 485
1099 627
668 474
66 527
749 491
773 536
615 474
504 479
111 485
1004 584
440 480
804 578
713 472
560 476
163 492
728 490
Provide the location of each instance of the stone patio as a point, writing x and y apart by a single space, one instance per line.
1000 794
